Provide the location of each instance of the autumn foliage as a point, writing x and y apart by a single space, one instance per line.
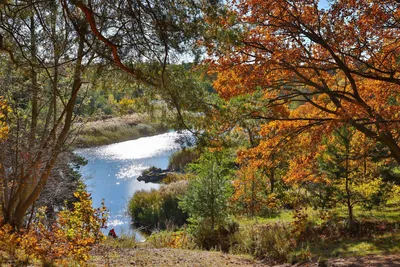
4 110
69 238
318 69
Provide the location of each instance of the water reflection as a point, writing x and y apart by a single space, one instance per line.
112 171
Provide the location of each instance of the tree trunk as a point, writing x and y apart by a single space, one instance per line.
212 198
19 204
253 197
348 191
272 180
34 86
387 139
384 136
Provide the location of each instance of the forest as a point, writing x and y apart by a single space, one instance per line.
293 107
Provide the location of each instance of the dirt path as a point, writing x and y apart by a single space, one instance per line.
368 261
167 257
114 256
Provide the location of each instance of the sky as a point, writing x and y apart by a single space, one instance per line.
323 4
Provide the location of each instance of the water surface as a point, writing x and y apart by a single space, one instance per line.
112 171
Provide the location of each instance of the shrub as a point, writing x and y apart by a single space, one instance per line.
302 225
72 235
180 159
219 238
322 262
158 208
294 197
126 106
144 208
271 242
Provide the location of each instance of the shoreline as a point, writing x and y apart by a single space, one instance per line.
115 130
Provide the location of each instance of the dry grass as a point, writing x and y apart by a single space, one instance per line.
112 130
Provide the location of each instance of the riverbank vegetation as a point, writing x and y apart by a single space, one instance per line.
294 110
308 118
289 224
118 129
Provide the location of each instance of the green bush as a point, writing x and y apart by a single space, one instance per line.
158 209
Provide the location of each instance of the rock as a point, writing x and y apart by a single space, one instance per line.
153 175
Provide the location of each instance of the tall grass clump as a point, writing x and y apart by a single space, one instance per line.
168 239
271 242
158 209
180 159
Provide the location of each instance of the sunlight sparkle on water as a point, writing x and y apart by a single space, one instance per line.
112 171
144 147
130 171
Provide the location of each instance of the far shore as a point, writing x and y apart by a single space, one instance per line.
117 129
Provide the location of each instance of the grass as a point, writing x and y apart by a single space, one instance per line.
273 239
169 248
121 242
385 242
114 130
283 216
390 213
388 243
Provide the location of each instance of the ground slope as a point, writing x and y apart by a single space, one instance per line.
114 256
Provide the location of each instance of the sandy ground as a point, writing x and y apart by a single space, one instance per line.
112 256
167 257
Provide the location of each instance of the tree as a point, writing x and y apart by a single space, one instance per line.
251 192
153 32
71 236
41 83
152 36
58 193
337 65
207 197
349 177
139 37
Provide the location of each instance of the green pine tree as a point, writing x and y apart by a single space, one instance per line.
208 194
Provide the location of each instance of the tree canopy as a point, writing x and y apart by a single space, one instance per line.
336 65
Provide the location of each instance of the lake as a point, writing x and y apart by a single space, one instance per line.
112 171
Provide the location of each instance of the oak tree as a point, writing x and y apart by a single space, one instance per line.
322 67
